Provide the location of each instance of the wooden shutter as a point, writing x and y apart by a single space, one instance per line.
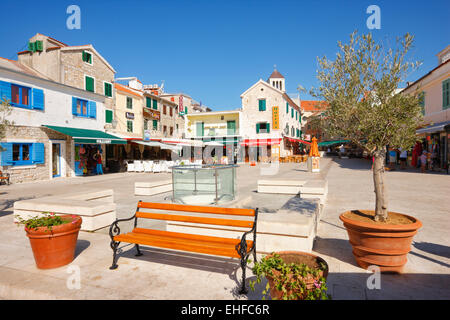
446 94
39 46
268 127
108 116
6 158
92 109
38 153
287 107
74 106
257 128
148 102
155 104
89 84
38 99
5 91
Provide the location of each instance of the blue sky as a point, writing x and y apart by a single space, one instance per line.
215 50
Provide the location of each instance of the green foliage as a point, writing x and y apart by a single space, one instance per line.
49 220
291 279
5 111
361 88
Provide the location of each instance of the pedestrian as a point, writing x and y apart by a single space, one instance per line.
423 161
392 159
98 158
403 156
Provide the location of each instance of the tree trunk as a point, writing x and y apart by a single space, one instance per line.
381 213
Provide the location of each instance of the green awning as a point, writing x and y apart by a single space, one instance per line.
88 136
329 143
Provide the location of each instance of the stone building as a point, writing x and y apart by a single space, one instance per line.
52 122
434 91
271 120
77 66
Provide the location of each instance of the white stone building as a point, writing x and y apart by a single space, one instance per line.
51 122
271 120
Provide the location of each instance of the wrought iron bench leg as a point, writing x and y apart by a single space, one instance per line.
243 266
139 253
114 246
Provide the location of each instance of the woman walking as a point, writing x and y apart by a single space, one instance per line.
98 158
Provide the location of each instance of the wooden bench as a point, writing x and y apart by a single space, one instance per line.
219 246
4 177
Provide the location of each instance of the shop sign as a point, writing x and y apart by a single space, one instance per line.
146 135
129 115
275 118
153 114
103 141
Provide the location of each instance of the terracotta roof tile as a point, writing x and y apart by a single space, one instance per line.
313 105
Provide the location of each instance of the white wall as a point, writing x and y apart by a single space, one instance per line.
57 105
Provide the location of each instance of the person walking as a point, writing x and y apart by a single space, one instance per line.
423 161
98 158
403 156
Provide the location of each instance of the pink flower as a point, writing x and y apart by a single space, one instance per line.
317 285
74 216
73 222
52 213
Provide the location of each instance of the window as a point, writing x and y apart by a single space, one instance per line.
87 57
422 101
155 104
292 112
446 94
17 154
171 111
292 132
80 107
89 82
108 89
108 116
263 127
145 124
155 124
20 96
129 126
231 127
200 129
287 107
164 129
164 109
129 103
262 104
148 102
185 110
21 153
171 130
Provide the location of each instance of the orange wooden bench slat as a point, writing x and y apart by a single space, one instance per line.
197 209
189 236
203 220
177 245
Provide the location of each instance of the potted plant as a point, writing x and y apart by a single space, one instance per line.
52 238
292 275
365 106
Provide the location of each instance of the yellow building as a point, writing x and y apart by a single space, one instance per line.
216 129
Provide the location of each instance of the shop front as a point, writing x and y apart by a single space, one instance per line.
85 143
436 141
261 149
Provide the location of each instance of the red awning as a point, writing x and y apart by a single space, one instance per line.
260 142
298 140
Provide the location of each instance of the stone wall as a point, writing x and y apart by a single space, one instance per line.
35 172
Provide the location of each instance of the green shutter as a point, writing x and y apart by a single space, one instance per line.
257 128
84 56
129 126
287 107
89 84
200 129
32 46
155 104
39 45
148 102
292 113
108 89
231 127
446 94
262 105
155 124
108 116
268 127
185 110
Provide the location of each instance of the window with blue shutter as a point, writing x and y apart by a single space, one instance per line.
38 99
38 153
5 91
92 106
6 154
20 96
74 106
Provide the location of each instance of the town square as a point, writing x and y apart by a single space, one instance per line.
151 170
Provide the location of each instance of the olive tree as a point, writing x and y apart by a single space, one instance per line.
5 111
364 105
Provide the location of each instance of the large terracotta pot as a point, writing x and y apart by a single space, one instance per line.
296 257
382 245
55 248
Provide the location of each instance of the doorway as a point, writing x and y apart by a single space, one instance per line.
56 160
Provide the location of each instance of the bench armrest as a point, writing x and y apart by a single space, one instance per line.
114 229
241 247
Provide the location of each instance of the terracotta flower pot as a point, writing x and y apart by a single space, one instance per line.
297 257
382 245
55 248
